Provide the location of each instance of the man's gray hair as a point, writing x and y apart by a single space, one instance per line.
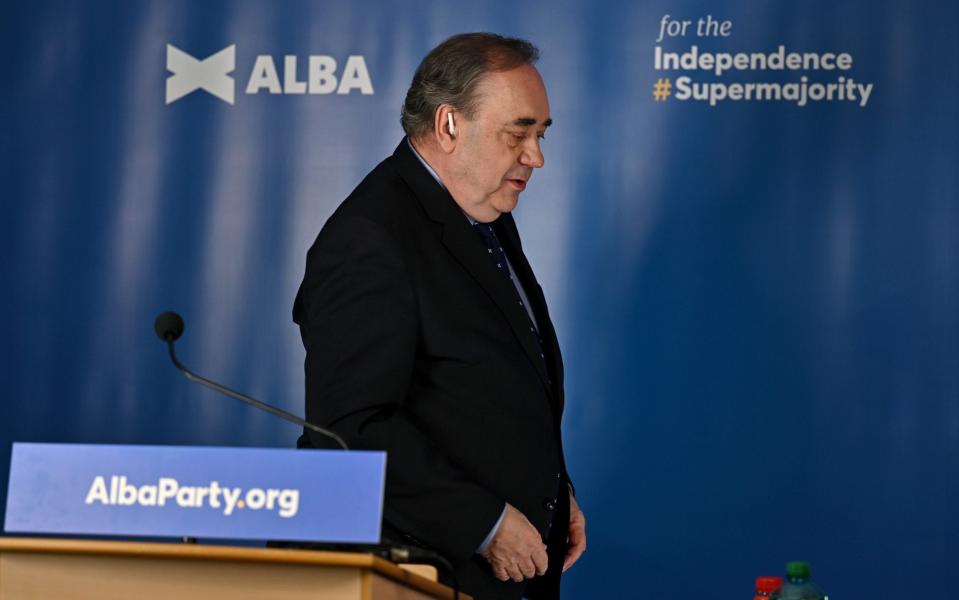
450 73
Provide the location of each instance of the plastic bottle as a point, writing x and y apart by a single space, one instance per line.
765 586
798 585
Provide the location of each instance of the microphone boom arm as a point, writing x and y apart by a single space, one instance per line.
251 401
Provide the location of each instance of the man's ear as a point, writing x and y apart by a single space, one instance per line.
444 127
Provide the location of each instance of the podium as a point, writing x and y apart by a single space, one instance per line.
42 568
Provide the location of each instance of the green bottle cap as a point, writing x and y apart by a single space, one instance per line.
798 569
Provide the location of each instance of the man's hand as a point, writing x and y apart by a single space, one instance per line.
576 535
517 551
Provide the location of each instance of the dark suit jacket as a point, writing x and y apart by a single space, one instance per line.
416 345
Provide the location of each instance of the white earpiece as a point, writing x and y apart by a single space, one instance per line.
449 119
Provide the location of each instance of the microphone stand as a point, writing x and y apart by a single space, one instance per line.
251 401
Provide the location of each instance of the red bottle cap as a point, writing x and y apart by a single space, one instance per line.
768 584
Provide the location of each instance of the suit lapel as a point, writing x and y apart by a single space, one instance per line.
466 247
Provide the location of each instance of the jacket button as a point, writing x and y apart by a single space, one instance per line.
549 504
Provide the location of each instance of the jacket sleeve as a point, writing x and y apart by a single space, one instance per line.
358 319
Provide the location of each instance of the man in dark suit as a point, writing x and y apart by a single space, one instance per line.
428 336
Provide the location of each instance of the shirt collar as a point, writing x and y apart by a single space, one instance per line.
435 176
425 164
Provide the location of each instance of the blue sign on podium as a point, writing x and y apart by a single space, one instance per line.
189 491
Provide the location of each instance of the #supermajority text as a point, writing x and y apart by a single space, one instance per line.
802 92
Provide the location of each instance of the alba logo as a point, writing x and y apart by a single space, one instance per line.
212 74
189 74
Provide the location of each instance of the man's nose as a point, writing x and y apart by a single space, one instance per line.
532 155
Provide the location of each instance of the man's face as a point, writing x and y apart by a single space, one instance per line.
497 150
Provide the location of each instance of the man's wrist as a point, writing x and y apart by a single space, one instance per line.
492 532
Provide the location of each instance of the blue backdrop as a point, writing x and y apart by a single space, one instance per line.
758 301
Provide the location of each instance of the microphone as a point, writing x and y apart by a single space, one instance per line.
169 327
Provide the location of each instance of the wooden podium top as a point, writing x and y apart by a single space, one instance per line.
231 554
